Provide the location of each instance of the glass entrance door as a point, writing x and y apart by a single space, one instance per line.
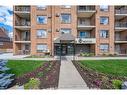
70 49
64 49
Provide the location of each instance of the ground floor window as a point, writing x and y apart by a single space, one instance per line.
104 47
42 47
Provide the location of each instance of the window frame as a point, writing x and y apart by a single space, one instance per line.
64 7
43 50
41 36
104 50
87 34
102 17
62 22
41 8
42 16
104 9
107 34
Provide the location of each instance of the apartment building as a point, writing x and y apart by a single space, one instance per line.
54 30
5 42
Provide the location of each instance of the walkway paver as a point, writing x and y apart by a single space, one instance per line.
69 76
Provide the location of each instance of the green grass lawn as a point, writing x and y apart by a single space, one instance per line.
113 67
20 67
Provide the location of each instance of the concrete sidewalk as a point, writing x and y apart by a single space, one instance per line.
69 76
98 58
11 56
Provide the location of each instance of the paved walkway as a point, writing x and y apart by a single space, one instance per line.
69 76
11 56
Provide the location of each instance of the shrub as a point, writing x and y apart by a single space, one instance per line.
47 69
103 54
110 55
81 54
32 84
105 81
117 84
97 82
40 74
115 54
91 54
86 54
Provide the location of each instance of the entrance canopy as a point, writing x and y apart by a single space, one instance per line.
65 38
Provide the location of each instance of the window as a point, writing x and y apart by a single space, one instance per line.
41 19
65 18
104 33
104 20
65 30
41 33
104 47
41 7
66 6
42 47
84 34
1 43
104 7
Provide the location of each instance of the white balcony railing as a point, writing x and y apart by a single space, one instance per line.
22 23
22 8
86 8
121 51
121 11
120 39
121 24
83 25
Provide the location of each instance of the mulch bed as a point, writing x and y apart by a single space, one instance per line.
95 79
49 79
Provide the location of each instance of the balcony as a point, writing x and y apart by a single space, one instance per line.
81 40
120 12
22 42
86 11
120 40
121 52
119 26
23 52
23 37
85 26
22 9
23 24
22 12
